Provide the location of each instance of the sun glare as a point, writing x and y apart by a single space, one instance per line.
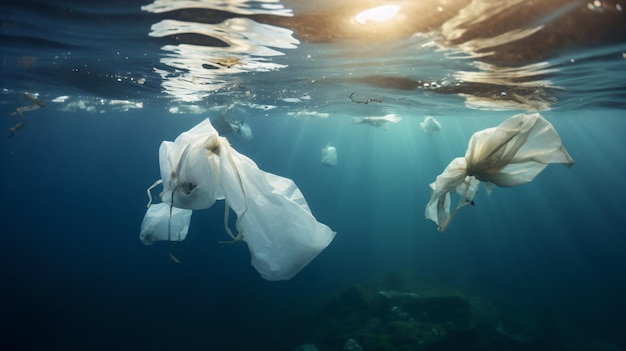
377 14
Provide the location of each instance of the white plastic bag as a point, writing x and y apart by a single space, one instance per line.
379 121
511 154
273 217
189 169
157 224
329 156
430 125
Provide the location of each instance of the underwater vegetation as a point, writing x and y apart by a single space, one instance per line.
402 313
395 314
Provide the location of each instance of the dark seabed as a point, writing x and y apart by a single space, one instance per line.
539 266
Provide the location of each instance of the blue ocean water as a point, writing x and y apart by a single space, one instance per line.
543 262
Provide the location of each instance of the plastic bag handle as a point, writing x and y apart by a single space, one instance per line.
160 181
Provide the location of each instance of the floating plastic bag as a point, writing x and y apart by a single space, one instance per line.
377 121
430 125
273 218
511 154
189 171
241 128
329 156
159 225
245 131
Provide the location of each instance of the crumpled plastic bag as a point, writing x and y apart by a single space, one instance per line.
159 225
430 125
329 155
273 217
511 154
189 172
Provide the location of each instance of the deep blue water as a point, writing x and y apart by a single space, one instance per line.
548 255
